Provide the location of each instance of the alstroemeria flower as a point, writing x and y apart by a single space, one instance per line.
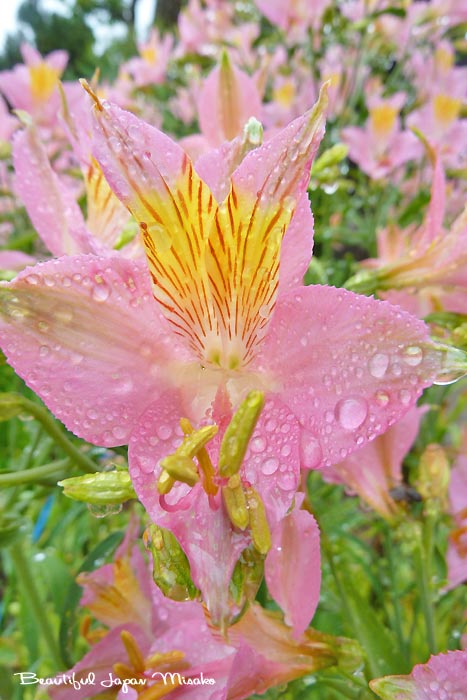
424 269
441 678
381 145
149 68
33 86
119 360
51 202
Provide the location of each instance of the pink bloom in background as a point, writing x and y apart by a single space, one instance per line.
441 678
226 100
425 269
294 17
51 202
151 65
119 360
457 550
381 146
33 86
375 470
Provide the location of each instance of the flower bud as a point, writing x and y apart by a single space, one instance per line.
171 569
100 489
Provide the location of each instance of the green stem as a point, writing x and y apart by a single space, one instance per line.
41 414
55 470
28 585
388 547
350 612
424 558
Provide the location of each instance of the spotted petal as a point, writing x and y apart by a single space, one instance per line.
348 366
156 180
69 328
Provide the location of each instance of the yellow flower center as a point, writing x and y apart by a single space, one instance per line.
43 81
446 109
382 119
444 59
285 94
149 54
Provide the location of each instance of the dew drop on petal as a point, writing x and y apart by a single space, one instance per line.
164 432
405 397
412 355
378 365
351 413
287 481
258 445
100 292
270 466
311 453
382 398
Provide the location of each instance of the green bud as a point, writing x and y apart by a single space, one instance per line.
391 687
10 406
171 569
333 156
238 434
433 480
247 576
99 489
452 364
252 133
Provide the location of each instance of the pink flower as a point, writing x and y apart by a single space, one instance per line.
33 87
425 268
381 146
150 66
441 678
51 202
120 355
375 470
457 550
293 16
149 635
225 102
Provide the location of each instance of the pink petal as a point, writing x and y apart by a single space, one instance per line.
50 204
15 260
434 221
348 367
293 569
99 660
205 533
376 468
89 339
297 247
228 98
443 676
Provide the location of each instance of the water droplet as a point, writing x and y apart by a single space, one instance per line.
258 445
164 432
270 466
286 450
378 365
351 413
119 432
405 397
412 355
44 350
382 398
271 425
287 481
396 369
100 292
104 511
311 453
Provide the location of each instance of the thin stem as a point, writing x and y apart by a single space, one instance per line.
56 433
424 558
58 469
388 547
27 582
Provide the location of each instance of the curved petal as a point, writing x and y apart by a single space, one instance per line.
297 247
349 367
293 569
89 339
51 206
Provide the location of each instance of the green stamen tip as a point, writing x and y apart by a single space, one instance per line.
238 434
